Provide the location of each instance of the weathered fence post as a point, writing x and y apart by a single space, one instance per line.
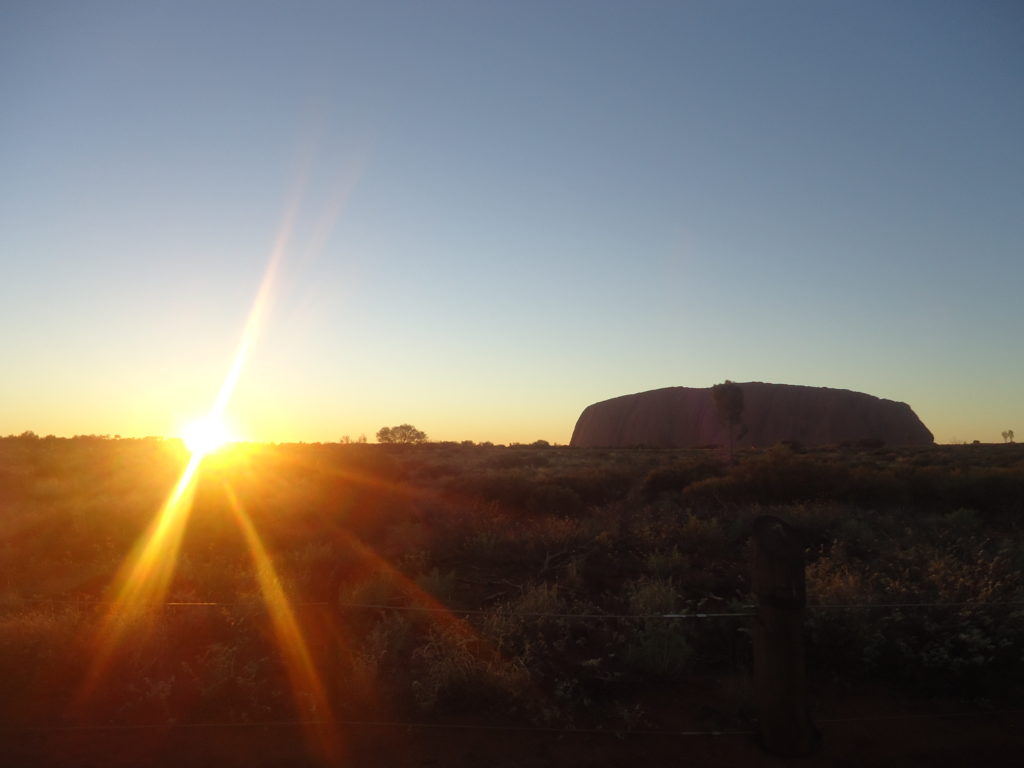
779 672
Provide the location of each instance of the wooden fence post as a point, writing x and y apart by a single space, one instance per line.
779 671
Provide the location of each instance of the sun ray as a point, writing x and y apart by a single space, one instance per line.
306 681
145 575
368 564
253 324
375 563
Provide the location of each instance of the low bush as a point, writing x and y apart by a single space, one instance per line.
678 477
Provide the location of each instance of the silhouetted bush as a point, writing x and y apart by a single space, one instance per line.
518 490
518 459
677 477
778 477
596 486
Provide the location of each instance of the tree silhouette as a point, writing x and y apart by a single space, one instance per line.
404 434
728 397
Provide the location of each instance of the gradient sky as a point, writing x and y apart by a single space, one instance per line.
480 217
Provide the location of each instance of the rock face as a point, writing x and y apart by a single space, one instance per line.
684 417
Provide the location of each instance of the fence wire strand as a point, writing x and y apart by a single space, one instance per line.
420 725
748 610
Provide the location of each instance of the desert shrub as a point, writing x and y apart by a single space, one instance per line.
942 646
676 478
667 563
701 534
985 489
515 459
453 667
834 579
223 677
962 652
372 589
963 520
657 647
389 642
511 489
923 484
660 649
988 488
713 493
517 490
33 638
440 586
529 622
815 517
554 499
869 487
473 533
431 471
647 596
782 477
597 486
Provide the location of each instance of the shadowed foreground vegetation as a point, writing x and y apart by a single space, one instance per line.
523 585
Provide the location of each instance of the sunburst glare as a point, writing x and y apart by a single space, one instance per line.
206 436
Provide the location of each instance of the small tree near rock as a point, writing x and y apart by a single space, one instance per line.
728 398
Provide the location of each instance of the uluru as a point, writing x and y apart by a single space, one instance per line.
686 417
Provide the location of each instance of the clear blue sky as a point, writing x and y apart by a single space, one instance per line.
500 212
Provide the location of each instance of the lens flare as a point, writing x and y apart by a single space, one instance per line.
144 578
142 582
206 436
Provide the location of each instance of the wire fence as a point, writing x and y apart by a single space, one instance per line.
347 723
748 610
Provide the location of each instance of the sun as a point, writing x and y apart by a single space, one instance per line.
206 436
